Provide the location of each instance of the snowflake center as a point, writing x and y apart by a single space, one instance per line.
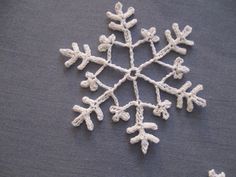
133 72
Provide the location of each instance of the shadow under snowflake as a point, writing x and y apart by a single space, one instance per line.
177 70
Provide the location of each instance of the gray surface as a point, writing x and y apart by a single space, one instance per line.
37 93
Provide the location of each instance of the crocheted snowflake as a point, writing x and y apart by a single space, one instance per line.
212 173
177 70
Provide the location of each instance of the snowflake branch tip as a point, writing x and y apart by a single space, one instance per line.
180 38
190 96
140 126
85 56
75 54
119 113
84 116
121 17
106 42
150 34
94 106
178 69
143 136
85 113
119 13
91 81
161 109
212 173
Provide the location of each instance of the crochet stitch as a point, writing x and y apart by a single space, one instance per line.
177 70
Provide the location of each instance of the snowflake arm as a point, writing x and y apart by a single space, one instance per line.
140 126
86 57
180 93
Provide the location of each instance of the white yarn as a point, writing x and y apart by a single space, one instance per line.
177 70
212 173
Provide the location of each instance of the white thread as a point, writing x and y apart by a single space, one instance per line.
177 70
212 173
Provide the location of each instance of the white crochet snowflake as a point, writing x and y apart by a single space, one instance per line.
212 173
177 70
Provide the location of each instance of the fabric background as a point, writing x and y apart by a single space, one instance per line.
37 92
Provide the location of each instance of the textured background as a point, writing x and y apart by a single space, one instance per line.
37 92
